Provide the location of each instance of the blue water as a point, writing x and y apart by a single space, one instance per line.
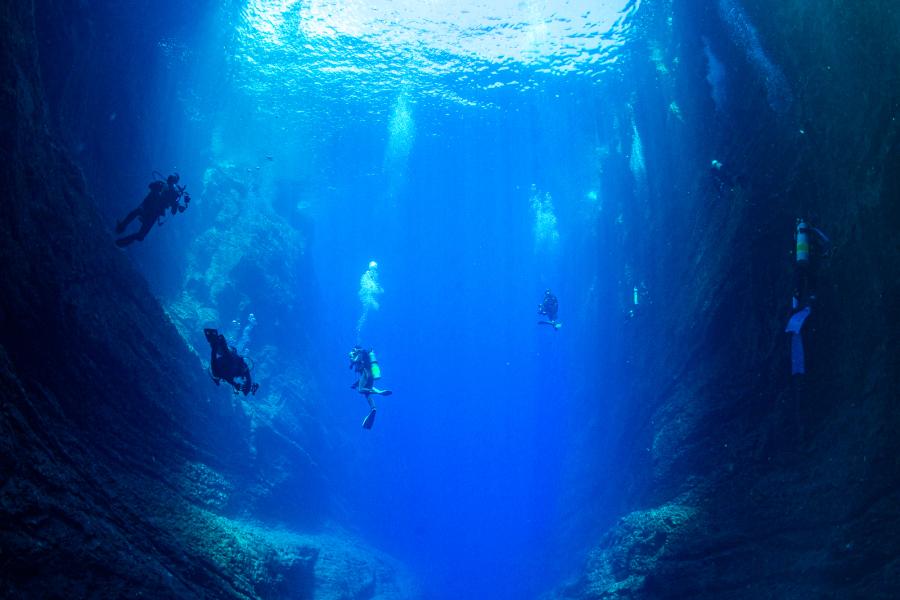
461 474
480 152
461 150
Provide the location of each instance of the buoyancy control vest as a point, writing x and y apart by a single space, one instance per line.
802 242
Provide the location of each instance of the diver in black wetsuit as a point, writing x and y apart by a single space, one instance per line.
225 363
549 307
364 363
163 195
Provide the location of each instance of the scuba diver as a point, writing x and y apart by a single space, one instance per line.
365 364
810 244
162 195
548 307
225 363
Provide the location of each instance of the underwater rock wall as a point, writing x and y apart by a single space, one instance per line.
250 260
726 478
121 86
111 76
121 473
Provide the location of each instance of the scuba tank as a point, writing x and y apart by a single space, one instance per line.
802 242
376 370
636 296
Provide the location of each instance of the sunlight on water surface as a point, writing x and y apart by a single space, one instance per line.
451 50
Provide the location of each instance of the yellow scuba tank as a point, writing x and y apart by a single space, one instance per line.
802 242
376 370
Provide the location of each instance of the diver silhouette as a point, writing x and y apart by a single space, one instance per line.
225 363
549 307
163 195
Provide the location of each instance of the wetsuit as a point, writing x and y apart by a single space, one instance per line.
160 198
225 363
549 307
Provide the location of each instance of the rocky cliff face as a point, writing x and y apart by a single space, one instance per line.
123 474
741 483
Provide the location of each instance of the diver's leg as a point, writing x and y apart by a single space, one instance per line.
364 384
212 376
811 282
799 286
146 226
121 225
128 239
136 237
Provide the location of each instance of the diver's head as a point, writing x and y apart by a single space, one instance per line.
373 264
547 292
172 179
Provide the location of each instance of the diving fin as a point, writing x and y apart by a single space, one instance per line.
375 391
369 420
556 325
796 321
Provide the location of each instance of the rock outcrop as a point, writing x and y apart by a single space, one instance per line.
250 260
